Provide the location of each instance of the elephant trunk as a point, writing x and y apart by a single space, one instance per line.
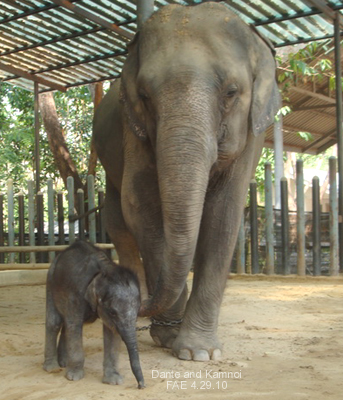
184 161
130 340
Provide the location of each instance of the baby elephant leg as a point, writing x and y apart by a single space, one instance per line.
62 349
74 349
112 342
52 327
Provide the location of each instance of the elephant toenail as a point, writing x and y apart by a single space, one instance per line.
201 355
216 355
185 354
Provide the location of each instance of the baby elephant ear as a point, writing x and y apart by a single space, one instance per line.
91 296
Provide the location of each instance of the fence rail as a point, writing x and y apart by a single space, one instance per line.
270 241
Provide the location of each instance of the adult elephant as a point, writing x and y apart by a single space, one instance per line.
179 138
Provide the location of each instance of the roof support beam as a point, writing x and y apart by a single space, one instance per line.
319 96
325 9
31 77
98 20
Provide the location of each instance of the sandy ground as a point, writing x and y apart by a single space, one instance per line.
282 339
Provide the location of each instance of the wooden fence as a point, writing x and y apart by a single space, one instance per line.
270 241
40 227
279 241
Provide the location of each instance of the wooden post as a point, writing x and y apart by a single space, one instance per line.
40 223
60 218
316 226
270 265
51 219
241 248
81 208
285 227
253 227
301 262
21 224
31 215
71 211
334 255
1 225
10 206
91 205
102 229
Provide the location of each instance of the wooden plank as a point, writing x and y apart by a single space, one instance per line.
18 249
23 266
15 278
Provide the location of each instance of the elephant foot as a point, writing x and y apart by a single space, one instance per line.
188 346
112 379
51 366
62 362
75 374
164 336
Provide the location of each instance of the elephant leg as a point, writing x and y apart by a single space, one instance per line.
112 341
75 355
52 328
223 208
62 349
142 211
122 239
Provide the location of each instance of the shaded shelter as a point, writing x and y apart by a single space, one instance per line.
58 44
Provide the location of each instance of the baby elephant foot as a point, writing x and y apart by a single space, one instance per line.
164 336
112 379
189 347
51 366
75 374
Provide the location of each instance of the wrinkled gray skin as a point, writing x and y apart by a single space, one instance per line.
179 137
82 285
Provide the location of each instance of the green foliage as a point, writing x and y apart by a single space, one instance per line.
75 112
306 136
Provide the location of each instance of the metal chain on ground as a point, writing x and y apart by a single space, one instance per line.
159 323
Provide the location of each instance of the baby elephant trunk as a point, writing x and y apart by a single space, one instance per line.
130 340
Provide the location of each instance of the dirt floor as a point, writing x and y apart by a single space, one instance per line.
282 340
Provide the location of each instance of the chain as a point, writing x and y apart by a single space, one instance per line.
164 323
159 323
143 328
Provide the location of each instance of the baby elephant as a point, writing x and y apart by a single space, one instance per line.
83 284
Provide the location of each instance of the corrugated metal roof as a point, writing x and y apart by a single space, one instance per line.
67 49
68 43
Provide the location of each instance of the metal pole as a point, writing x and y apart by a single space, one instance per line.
278 157
269 220
37 154
301 262
339 127
144 10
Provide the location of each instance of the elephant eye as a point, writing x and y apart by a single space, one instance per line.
231 91
143 95
113 312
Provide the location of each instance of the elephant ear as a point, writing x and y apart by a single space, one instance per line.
265 96
128 91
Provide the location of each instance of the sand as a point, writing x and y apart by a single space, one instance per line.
282 339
